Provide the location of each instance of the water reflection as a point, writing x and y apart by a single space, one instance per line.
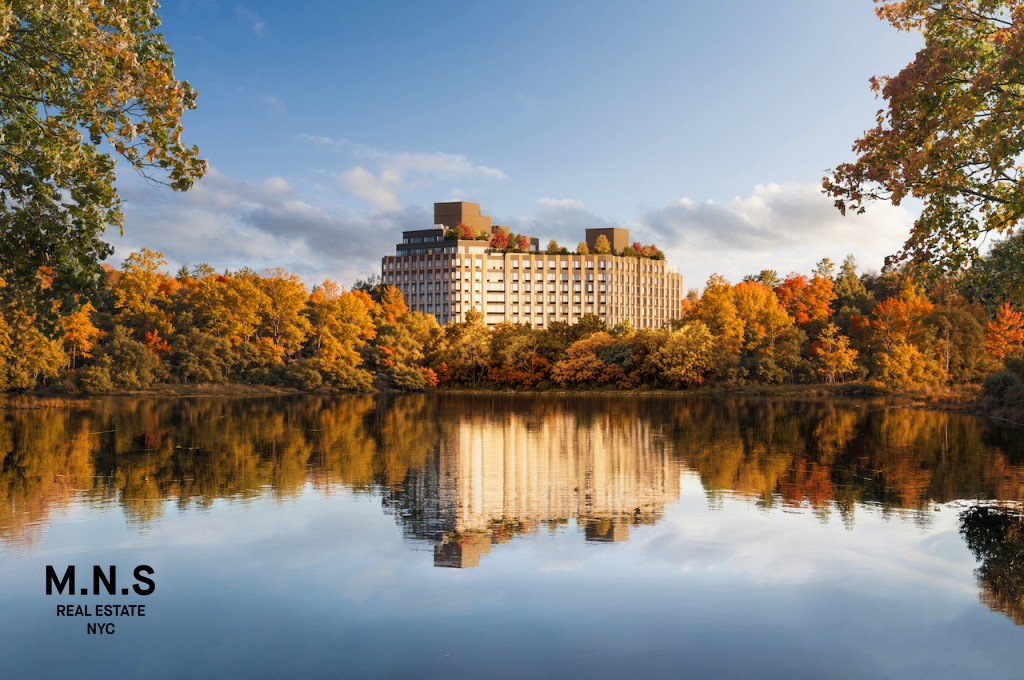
468 473
995 534
499 472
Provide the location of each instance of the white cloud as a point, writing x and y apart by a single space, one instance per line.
786 227
380 176
277 185
379 190
437 164
232 224
561 203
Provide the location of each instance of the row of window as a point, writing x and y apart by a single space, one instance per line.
438 257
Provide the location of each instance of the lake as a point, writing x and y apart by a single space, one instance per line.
509 536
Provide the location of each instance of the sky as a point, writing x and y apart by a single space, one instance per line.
704 128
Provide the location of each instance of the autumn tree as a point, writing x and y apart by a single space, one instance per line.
229 307
80 333
952 132
500 239
555 249
283 321
390 303
764 323
763 317
807 301
398 352
515 357
1005 334
582 364
717 310
467 352
341 324
28 355
832 354
602 246
78 83
142 295
582 248
686 357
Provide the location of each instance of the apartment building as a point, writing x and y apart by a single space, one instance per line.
448 277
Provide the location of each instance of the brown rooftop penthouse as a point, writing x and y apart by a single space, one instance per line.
443 274
453 214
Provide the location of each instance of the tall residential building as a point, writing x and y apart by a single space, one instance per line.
447 276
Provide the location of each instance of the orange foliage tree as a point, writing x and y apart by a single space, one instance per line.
1005 334
807 301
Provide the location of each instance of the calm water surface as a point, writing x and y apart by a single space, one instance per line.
519 537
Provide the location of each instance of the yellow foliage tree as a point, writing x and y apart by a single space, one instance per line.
833 355
80 334
228 307
142 295
283 321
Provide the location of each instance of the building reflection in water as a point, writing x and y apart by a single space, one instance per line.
491 479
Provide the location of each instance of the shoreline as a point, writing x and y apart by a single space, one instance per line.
959 398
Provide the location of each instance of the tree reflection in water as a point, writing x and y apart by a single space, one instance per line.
466 473
995 534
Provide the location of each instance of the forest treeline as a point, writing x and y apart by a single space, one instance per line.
201 326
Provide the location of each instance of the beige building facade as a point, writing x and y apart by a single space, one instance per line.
448 278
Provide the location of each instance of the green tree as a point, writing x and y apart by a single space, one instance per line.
687 356
959 343
766 277
998 276
80 82
467 352
199 357
123 363
852 297
952 134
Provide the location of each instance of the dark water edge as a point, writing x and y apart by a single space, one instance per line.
495 535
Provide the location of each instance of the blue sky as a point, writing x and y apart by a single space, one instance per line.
703 127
